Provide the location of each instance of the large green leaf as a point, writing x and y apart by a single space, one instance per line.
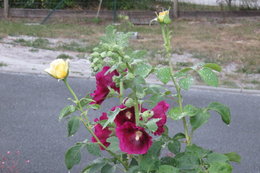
108 169
95 166
175 113
111 116
191 110
220 167
197 150
168 169
93 148
72 156
67 111
114 144
186 160
216 157
199 119
73 125
164 74
151 124
174 146
233 157
208 76
223 110
186 82
213 66
143 70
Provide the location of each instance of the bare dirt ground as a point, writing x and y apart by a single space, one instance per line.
15 57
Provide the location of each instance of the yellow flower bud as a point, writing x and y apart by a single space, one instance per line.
164 17
59 69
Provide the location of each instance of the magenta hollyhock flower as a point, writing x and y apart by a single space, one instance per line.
101 133
133 139
103 82
159 111
126 115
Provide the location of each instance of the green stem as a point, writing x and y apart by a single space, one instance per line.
88 126
167 45
121 88
137 114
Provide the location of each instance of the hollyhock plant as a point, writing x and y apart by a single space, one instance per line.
102 133
103 83
133 139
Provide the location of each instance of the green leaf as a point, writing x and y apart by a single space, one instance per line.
208 76
72 156
114 144
218 167
108 169
199 119
216 157
95 166
85 101
164 74
168 169
174 146
223 110
94 106
66 111
111 116
167 161
213 66
73 125
179 136
185 70
143 69
175 113
233 157
198 151
185 83
155 149
191 110
151 124
134 169
186 160
93 148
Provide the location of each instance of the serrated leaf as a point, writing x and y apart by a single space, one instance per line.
185 83
73 125
67 111
114 144
72 156
223 110
168 169
216 157
233 157
151 124
208 76
218 167
213 66
108 169
179 136
174 146
175 113
111 116
93 148
191 110
164 74
143 70
199 119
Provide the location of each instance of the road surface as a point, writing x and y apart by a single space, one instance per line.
30 104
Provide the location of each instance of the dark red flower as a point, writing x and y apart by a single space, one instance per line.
133 139
127 115
103 83
101 133
159 111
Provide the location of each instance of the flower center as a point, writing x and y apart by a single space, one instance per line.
128 115
138 135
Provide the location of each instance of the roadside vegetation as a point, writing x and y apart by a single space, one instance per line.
229 42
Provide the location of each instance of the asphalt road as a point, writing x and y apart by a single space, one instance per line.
30 104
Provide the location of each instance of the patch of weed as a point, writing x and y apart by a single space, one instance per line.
2 64
64 56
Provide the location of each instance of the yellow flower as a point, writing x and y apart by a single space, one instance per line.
164 17
59 69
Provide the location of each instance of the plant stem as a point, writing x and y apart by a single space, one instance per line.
121 88
167 45
137 114
88 126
